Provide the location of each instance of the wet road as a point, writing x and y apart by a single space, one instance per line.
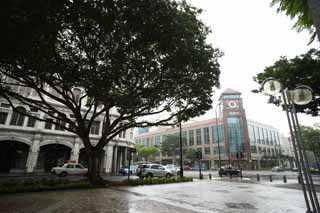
198 196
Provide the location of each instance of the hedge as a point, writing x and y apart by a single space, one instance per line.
41 185
162 180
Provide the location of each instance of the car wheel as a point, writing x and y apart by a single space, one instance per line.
168 175
63 174
149 175
141 177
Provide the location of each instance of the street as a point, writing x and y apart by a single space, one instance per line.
198 196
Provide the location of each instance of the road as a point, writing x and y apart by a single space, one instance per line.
225 196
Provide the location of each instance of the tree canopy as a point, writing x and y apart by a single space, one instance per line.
118 61
311 139
145 152
301 70
170 144
305 12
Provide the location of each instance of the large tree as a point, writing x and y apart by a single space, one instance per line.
145 152
129 59
303 69
170 145
305 12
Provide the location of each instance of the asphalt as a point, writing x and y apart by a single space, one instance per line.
223 195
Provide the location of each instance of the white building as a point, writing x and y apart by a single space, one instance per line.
28 145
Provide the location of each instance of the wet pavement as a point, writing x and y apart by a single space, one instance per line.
198 196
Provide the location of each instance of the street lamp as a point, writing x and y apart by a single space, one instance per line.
299 96
217 128
181 160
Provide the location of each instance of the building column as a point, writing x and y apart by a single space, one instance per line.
33 155
115 159
109 157
75 152
119 159
126 156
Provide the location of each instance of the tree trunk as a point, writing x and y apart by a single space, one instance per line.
314 6
94 159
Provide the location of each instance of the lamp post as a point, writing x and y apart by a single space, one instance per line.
299 96
217 128
181 160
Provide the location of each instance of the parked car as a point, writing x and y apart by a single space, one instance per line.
69 169
228 171
153 170
196 168
187 167
124 170
277 169
173 168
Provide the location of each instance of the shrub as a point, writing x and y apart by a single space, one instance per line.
161 180
41 185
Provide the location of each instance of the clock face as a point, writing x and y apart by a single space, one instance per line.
232 104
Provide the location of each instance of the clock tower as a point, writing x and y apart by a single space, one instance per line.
235 127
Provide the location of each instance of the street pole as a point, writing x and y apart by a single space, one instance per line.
129 159
181 160
298 157
301 95
217 128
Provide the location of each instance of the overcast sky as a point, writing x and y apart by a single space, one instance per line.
252 35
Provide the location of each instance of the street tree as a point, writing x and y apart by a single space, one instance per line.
303 69
117 61
145 152
311 140
191 155
170 145
305 12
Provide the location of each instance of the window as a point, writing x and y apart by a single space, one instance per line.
78 166
61 124
5 105
17 118
184 138
262 138
31 122
48 124
199 150
257 135
266 136
3 117
95 127
231 96
235 131
70 166
157 140
206 135
207 150
33 109
253 149
155 167
191 137
198 136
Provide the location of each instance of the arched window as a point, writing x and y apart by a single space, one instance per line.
17 118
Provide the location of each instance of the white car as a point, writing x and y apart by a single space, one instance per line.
173 168
69 169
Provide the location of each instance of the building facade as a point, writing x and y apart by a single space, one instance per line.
28 145
239 141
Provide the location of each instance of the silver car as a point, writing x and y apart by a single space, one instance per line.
153 170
